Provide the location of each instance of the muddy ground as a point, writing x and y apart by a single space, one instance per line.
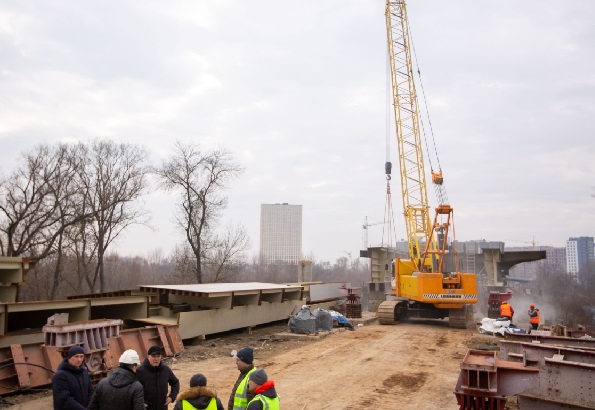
406 366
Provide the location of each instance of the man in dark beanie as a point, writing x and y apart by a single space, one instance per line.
155 376
266 396
240 396
198 396
71 384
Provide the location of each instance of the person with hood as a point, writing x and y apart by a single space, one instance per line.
240 396
155 376
121 390
198 396
71 384
266 396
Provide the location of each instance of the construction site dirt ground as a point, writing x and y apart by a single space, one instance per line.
411 365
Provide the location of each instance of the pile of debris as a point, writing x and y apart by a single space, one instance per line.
306 322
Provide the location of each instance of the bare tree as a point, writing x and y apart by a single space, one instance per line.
83 248
184 270
228 258
38 202
59 194
113 178
200 178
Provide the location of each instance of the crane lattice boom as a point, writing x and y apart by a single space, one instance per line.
406 114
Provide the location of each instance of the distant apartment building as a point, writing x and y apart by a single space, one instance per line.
280 233
556 257
579 252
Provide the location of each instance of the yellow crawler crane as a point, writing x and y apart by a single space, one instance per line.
428 284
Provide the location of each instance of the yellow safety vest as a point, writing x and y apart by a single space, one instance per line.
240 399
187 406
268 403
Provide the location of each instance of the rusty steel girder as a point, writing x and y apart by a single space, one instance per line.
168 337
563 385
27 366
92 335
24 366
485 381
534 354
554 340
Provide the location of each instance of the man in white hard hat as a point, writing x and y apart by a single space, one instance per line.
121 390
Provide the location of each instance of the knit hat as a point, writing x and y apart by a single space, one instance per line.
259 377
155 350
246 355
74 350
198 380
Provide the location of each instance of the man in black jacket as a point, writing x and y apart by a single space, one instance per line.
72 384
121 390
155 377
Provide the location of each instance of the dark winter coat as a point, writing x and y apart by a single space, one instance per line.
121 390
72 387
155 380
199 397
250 395
267 389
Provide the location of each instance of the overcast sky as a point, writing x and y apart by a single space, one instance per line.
297 92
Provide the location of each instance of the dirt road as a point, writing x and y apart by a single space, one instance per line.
406 366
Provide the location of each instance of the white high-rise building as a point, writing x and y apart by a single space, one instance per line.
572 257
280 233
579 252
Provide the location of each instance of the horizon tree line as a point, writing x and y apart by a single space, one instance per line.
64 205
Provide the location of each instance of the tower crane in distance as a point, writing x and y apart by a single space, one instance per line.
428 283
365 226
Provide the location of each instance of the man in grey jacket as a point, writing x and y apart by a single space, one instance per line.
121 390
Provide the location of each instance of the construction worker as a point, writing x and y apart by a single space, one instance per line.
72 384
198 396
156 376
506 311
240 395
534 317
266 397
121 390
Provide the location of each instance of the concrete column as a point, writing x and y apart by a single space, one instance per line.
491 257
304 271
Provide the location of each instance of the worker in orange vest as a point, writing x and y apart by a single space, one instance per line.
506 311
534 317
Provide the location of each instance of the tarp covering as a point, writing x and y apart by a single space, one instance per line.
324 320
303 322
341 320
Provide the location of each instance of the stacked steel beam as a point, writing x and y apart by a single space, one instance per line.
544 372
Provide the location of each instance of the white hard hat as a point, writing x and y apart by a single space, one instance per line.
129 357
